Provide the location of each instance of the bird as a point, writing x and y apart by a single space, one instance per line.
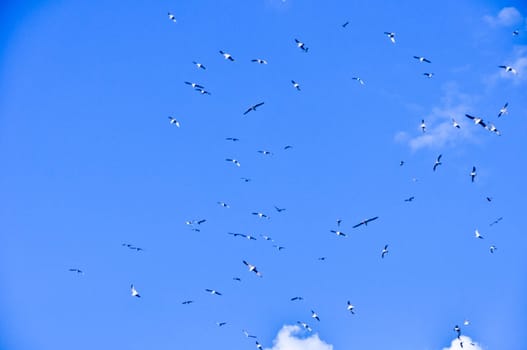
233 161
437 162
172 17
428 75
279 247
339 221
245 179
509 69
220 324
213 292
365 222
315 315
260 215
477 120
345 24
384 251
227 56
503 110
423 125
287 147
359 80
201 221
76 270
279 209
295 85
401 163
455 124
253 107
233 139
391 35
139 249
199 65
174 121
339 233
305 325
489 199
134 291
194 85
259 60
267 238
493 248
247 334
496 221
492 128
252 268
238 279
265 152
422 59
457 330
223 204
477 234
187 302
516 32
296 298
473 173
259 346
203 91
249 237
322 258
409 199
350 308
301 45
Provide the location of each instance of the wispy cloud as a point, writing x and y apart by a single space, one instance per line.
290 338
468 344
439 129
506 17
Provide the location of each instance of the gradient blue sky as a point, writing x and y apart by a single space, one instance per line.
90 161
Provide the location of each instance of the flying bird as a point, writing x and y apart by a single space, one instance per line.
279 209
384 251
233 161
220 324
422 59
428 75
492 128
259 60
296 298
339 221
391 35
322 258
203 91
401 163
187 302
259 346
247 334
365 222
339 233
305 325
238 279
267 238
134 291
473 173
265 152
279 247
423 125
455 124
503 110
516 32
174 121
295 85
496 221
489 199
458 331
350 308
409 199
477 120
260 215
252 268
359 80
245 179
227 56
194 85
253 107
233 139
199 65
437 162
172 17
509 69
315 315
223 204
345 24
477 234
301 45
76 270
492 248
249 237
213 292
287 147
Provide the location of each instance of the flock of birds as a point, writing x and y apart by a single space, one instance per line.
196 224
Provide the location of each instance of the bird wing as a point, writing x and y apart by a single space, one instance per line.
374 218
361 223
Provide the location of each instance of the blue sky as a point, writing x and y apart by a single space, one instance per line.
90 161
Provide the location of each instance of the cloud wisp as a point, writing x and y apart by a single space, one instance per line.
463 343
507 16
290 338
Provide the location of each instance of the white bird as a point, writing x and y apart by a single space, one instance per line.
223 204
422 59
477 234
428 75
509 69
350 308
315 315
202 91
253 107
423 125
477 120
473 173
260 215
213 292
172 17
199 65
305 325
384 251
76 270
259 346
247 334
259 60
455 124
174 121
267 238
233 161
265 152
492 248
227 56
295 85
516 32
503 110
359 80
194 85
491 127
252 268
301 45
437 162
134 291
338 233
220 324
391 35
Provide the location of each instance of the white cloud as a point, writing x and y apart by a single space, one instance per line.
289 338
468 344
506 17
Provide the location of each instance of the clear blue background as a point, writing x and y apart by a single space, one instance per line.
89 161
